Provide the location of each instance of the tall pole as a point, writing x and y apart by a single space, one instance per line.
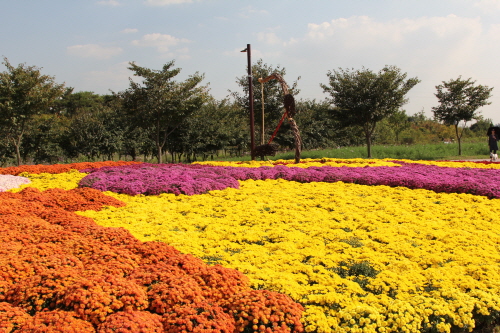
250 97
262 118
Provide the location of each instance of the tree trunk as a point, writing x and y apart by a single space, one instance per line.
159 153
459 137
297 139
369 144
157 139
17 145
369 129
18 154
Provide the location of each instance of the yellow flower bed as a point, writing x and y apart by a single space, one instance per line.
353 162
359 258
306 163
42 181
455 164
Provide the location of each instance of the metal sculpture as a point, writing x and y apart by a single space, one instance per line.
290 112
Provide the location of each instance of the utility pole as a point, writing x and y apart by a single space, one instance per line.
250 101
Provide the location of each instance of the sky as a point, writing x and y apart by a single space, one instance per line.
88 44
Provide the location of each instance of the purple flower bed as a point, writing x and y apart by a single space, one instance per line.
197 179
150 179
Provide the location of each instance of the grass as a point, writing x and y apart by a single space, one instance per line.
439 151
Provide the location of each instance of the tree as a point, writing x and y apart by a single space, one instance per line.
315 127
399 123
92 124
6 151
42 141
217 125
459 101
86 134
162 104
480 127
71 103
362 98
418 118
24 93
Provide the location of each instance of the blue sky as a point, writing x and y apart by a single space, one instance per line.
88 43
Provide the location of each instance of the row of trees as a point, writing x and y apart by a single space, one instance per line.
45 122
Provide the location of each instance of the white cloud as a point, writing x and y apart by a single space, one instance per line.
362 31
93 51
494 32
268 38
488 5
182 53
163 43
129 31
166 2
423 39
116 76
434 49
249 11
113 3
291 41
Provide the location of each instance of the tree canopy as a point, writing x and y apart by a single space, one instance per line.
161 104
24 93
362 98
45 122
459 100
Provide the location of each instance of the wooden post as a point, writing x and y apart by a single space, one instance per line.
250 100
262 132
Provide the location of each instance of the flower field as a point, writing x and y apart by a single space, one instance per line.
323 246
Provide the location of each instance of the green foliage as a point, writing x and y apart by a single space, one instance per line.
316 129
51 123
430 131
93 132
217 125
159 105
72 103
363 98
352 241
42 142
135 140
6 151
480 128
459 101
432 151
398 122
24 93
359 272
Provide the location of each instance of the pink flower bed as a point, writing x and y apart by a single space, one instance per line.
150 179
8 182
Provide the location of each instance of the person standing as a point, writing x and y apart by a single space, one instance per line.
492 143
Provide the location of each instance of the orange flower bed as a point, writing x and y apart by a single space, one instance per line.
132 321
60 168
60 272
56 321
